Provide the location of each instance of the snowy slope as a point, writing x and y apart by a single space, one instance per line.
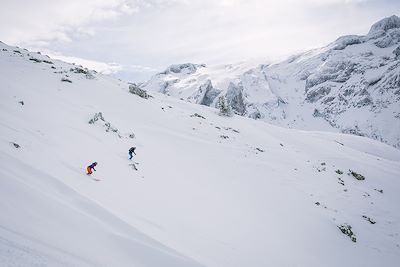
351 86
209 190
44 221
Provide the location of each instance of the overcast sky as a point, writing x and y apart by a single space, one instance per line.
135 38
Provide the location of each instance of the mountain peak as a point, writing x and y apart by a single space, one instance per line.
386 24
186 68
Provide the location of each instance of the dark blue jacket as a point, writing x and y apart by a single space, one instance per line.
93 165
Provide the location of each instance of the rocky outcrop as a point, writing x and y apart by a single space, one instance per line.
186 68
385 24
343 42
209 93
235 98
397 51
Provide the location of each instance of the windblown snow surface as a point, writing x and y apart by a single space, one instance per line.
209 190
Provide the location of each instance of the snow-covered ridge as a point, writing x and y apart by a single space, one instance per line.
386 24
187 68
351 86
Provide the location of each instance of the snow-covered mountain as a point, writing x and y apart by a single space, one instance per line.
209 190
350 86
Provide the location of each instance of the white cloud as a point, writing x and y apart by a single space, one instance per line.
157 33
47 20
102 67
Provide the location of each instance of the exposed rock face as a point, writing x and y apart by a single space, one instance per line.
385 24
133 89
397 51
208 92
234 95
186 68
334 71
351 85
317 93
345 41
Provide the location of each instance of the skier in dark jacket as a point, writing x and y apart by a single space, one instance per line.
132 150
91 167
